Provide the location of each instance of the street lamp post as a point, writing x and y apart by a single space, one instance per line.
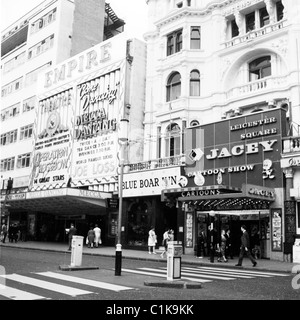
123 139
212 247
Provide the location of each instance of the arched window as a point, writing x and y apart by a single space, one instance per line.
260 68
195 83
174 87
173 138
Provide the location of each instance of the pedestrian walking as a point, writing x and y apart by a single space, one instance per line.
222 247
166 239
245 248
91 237
3 232
98 240
71 232
212 243
152 240
229 248
171 235
200 244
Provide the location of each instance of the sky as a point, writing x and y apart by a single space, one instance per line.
133 12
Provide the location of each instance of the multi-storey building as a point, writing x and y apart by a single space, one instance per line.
52 32
222 92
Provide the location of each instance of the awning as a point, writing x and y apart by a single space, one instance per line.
67 201
224 197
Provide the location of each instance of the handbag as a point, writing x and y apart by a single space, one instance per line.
87 240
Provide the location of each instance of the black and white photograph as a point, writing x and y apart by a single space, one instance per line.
150 154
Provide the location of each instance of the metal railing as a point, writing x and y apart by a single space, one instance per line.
291 144
178 160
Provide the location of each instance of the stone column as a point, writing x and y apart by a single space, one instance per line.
270 5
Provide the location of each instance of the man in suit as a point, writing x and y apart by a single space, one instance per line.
71 232
245 248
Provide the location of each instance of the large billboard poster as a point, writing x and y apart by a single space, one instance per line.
241 150
53 141
95 138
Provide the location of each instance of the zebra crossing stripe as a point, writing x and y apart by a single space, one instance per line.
91 283
162 275
197 275
219 272
255 273
47 285
15 294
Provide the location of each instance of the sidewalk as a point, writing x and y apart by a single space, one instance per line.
262 264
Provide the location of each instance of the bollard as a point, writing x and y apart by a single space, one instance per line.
174 260
76 254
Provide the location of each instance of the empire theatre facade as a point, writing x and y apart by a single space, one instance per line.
232 177
75 158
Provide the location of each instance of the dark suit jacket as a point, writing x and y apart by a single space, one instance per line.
72 232
245 240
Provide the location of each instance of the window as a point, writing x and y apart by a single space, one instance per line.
32 76
10 112
195 38
170 45
14 63
250 21
43 22
41 47
29 104
9 137
23 161
195 83
173 140
234 29
11 87
178 41
260 68
280 11
264 17
174 42
26 132
174 87
7 164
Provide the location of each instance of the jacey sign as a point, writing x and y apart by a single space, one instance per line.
245 149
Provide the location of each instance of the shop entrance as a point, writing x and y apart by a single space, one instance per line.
257 225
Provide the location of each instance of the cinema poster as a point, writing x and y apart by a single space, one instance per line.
53 138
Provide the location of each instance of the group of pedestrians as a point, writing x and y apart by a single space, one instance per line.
14 233
93 238
152 240
223 246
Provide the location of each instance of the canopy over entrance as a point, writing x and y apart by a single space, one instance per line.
223 197
67 201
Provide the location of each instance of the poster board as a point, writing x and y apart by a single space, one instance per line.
276 234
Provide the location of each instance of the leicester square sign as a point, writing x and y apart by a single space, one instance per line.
245 149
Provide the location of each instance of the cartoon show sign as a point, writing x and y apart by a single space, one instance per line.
53 141
244 149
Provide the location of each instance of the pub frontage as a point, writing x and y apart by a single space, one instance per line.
232 177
